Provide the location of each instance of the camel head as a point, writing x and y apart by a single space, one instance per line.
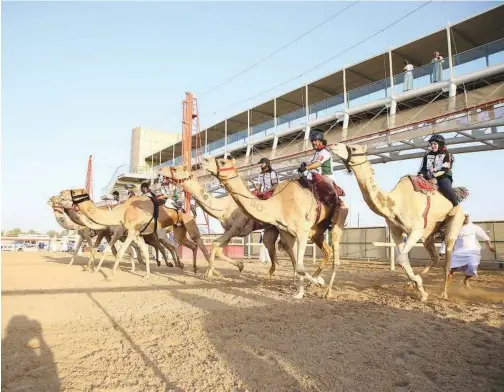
221 168
351 155
55 203
176 174
71 196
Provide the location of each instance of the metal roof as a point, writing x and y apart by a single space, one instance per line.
470 33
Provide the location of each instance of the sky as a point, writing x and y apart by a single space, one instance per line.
78 77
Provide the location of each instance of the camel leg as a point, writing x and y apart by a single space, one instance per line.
336 233
115 237
87 236
319 240
131 237
218 249
431 249
180 237
171 248
453 227
269 241
140 240
153 240
302 241
403 260
290 246
135 246
81 238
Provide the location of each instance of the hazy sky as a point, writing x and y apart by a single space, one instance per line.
77 77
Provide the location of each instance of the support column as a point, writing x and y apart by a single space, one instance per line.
275 120
452 88
273 149
346 117
393 102
225 138
307 116
206 141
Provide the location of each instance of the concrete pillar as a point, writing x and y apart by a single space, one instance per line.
275 119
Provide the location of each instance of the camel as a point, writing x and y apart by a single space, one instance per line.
292 209
418 215
114 233
137 216
234 221
84 232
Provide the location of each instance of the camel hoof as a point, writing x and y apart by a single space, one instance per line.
181 265
146 276
327 294
444 294
320 280
424 297
195 270
169 265
299 295
240 266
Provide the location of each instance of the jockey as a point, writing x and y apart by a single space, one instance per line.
438 163
174 203
115 197
129 188
466 254
321 161
145 188
321 172
268 179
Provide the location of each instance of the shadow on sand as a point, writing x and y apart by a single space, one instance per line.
27 361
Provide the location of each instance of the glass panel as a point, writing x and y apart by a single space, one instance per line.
369 93
292 119
261 130
327 106
478 58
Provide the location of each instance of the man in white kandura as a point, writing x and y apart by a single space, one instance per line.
466 254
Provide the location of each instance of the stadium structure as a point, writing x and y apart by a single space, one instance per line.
367 102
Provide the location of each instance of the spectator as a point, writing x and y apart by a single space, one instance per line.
408 76
437 68
264 257
466 254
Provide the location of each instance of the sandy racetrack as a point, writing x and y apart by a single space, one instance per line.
66 329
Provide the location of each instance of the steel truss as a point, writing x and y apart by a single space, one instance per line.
473 130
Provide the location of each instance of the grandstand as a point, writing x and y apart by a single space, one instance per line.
367 102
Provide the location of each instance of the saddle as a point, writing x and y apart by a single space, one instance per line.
322 192
428 188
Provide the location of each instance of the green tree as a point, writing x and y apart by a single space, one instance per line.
32 232
64 232
52 233
14 232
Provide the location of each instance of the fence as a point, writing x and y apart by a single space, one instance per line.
357 243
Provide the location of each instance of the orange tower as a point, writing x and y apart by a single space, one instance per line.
192 148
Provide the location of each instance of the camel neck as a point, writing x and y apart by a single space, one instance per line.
374 197
103 216
65 221
218 208
250 204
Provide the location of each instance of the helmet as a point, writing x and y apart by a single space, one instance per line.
128 186
437 139
266 161
115 193
316 136
144 185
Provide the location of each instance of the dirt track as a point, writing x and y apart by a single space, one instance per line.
65 329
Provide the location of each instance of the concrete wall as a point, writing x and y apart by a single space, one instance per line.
145 142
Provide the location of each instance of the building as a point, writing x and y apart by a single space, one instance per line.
146 152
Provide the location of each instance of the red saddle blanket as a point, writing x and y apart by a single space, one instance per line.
420 184
323 191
